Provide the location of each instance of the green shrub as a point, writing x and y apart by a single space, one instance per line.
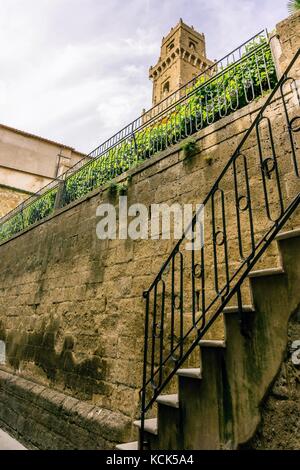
112 189
122 189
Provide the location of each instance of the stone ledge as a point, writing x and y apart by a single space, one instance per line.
80 423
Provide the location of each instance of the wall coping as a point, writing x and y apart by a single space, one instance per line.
109 425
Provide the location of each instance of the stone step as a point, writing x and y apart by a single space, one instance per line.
128 446
266 272
8 442
191 373
169 400
235 309
150 425
288 234
207 343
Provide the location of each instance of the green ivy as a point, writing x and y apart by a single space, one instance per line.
35 211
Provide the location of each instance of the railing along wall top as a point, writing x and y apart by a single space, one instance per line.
235 80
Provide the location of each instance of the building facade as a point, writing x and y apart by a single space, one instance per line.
29 162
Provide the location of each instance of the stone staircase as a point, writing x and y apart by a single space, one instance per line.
218 404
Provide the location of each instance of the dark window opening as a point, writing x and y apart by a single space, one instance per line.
166 88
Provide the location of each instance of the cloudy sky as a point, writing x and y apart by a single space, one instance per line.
77 70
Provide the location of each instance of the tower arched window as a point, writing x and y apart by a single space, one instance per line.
170 46
166 88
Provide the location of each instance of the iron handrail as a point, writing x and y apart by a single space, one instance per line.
156 365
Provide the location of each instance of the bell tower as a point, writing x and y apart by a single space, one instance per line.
182 57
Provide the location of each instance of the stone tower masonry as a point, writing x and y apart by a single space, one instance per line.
182 57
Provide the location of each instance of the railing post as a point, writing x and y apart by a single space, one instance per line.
59 200
134 142
142 443
22 215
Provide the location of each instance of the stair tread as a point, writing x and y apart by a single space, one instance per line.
169 400
235 309
266 272
288 234
150 425
194 373
128 446
212 343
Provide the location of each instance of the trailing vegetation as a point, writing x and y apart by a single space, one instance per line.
293 6
35 211
210 99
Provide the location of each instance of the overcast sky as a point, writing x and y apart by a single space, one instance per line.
77 70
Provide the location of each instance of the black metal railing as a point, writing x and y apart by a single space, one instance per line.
232 82
249 202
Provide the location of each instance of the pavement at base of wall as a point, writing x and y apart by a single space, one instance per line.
9 443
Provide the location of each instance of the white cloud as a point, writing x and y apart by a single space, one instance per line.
77 71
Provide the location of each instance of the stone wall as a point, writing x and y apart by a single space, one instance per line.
288 33
71 307
44 419
280 424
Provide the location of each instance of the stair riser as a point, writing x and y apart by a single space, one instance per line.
200 422
169 425
253 361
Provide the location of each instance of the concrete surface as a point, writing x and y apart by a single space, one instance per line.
9 443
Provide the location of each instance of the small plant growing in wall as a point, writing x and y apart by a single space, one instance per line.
189 148
122 188
112 189
208 159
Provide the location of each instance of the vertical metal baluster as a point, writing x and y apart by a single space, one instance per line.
236 192
249 208
258 72
144 388
265 168
214 238
260 118
181 306
222 99
136 150
266 67
203 302
288 121
199 113
172 304
276 169
22 215
153 336
193 280
225 242
161 333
